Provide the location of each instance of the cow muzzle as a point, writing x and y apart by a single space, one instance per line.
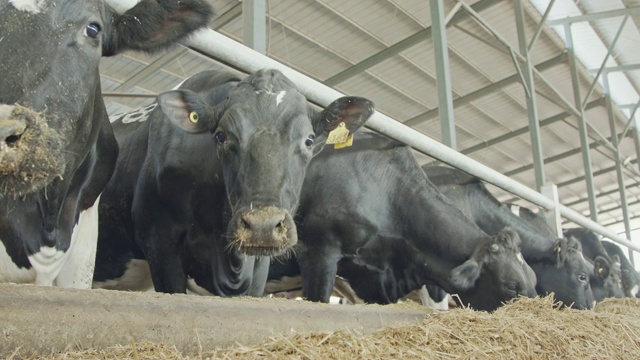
31 153
11 129
263 231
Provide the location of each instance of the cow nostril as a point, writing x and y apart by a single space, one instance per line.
12 139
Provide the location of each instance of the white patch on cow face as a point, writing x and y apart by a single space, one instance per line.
30 6
137 277
634 290
515 209
77 269
520 258
280 96
9 272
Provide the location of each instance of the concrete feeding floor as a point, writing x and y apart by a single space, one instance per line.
42 319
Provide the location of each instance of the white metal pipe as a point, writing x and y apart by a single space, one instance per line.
229 51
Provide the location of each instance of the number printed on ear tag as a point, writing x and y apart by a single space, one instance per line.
338 135
344 144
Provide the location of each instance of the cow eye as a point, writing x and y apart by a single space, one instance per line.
220 137
92 30
582 278
511 287
309 140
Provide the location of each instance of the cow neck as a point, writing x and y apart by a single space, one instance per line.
442 227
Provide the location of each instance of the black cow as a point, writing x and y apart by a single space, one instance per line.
204 188
604 272
629 276
374 218
606 278
558 263
57 149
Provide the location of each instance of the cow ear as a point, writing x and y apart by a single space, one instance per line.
463 277
601 269
151 26
348 113
186 110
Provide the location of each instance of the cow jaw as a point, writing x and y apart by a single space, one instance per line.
262 231
29 151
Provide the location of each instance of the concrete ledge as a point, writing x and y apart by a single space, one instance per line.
42 319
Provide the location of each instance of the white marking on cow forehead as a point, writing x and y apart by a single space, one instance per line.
520 258
515 209
280 96
121 6
31 6
9 272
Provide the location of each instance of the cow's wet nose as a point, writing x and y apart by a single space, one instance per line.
266 223
11 128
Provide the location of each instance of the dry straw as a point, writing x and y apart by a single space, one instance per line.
524 329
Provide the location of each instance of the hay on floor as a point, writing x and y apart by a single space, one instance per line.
523 329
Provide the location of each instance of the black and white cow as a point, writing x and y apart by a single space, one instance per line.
206 185
629 276
558 263
57 149
375 219
606 278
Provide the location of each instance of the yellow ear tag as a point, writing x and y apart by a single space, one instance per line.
338 135
345 144
193 117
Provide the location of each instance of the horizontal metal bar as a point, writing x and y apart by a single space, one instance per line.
634 10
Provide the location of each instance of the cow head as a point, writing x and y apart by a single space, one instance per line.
265 135
565 274
495 273
50 88
604 279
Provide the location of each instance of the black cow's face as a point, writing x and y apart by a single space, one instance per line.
265 136
567 277
49 83
495 273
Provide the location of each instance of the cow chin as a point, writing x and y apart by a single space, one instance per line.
30 155
262 231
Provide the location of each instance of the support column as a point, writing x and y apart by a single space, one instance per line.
254 25
582 125
534 126
620 175
443 75
552 216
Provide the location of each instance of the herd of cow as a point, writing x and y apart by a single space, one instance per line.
225 184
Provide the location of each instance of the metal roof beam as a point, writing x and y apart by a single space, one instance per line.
463 100
523 130
398 47
608 69
634 10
